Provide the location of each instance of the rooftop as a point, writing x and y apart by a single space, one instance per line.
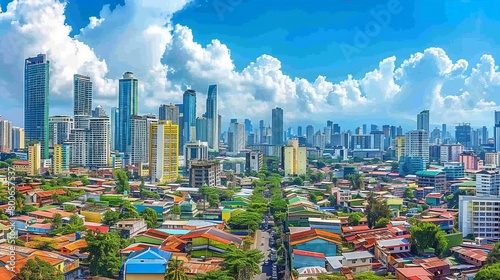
393 242
429 173
357 255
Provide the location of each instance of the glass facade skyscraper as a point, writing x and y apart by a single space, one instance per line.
277 126
213 118
36 101
127 107
189 115
82 92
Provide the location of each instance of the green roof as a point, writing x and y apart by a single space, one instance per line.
429 172
466 184
234 202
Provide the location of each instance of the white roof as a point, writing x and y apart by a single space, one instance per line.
393 242
357 255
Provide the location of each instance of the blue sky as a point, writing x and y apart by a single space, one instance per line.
307 38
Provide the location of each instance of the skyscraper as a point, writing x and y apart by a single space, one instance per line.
59 129
423 120
36 102
17 138
443 132
277 126
262 132
114 125
299 131
128 94
496 131
164 151
5 136
169 113
417 145
140 138
213 118
189 106
99 112
201 129
82 95
484 135
248 126
309 135
98 142
463 135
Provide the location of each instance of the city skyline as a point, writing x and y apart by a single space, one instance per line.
453 87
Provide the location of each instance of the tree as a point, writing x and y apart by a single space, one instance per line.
214 275
354 218
382 223
494 255
85 180
408 193
213 200
42 243
176 270
488 272
245 220
90 200
375 210
122 185
150 216
104 253
298 181
428 235
176 210
69 207
39 269
56 221
242 264
111 217
128 211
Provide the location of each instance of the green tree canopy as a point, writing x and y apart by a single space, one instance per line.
494 254
128 211
122 185
489 272
104 253
150 216
111 217
298 181
242 264
56 221
176 270
245 220
375 210
428 235
176 210
354 218
39 269
382 223
214 275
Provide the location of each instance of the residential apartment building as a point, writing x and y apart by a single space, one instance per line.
195 150
206 173
140 128
492 158
417 145
59 129
164 151
34 159
98 140
470 160
254 161
294 158
451 152
60 159
5 136
435 179
17 138
399 146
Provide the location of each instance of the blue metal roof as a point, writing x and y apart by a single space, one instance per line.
147 261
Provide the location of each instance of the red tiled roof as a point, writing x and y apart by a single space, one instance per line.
24 188
308 254
214 234
305 236
413 272
434 195
6 274
102 229
472 253
20 162
50 193
42 226
354 229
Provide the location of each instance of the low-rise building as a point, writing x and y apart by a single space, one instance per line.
410 273
358 261
432 178
473 256
130 228
149 263
205 173
385 248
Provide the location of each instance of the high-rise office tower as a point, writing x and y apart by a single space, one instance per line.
114 124
5 136
309 135
99 112
17 138
277 126
262 132
484 135
36 102
195 151
423 120
82 95
98 142
141 126
164 151
336 128
435 135
169 113
299 131
213 118
128 106
34 159
319 140
417 145
496 131
248 126
189 106
373 127
59 129
443 132
463 135
399 131
236 138
364 129
359 130
201 129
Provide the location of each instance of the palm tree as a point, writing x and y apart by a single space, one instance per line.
176 270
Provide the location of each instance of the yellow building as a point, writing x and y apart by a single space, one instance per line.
399 145
34 159
57 160
164 151
294 158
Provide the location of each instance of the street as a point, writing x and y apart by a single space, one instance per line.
262 243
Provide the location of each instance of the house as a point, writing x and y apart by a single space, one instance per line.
473 256
22 222
315 240
21 166
162 208
149 263
354 229
439 268
130 228
93 214
312 271
413 273
74 247
434 199
42 198
358 261
385 248
302 258
210 242
38 228
96 227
